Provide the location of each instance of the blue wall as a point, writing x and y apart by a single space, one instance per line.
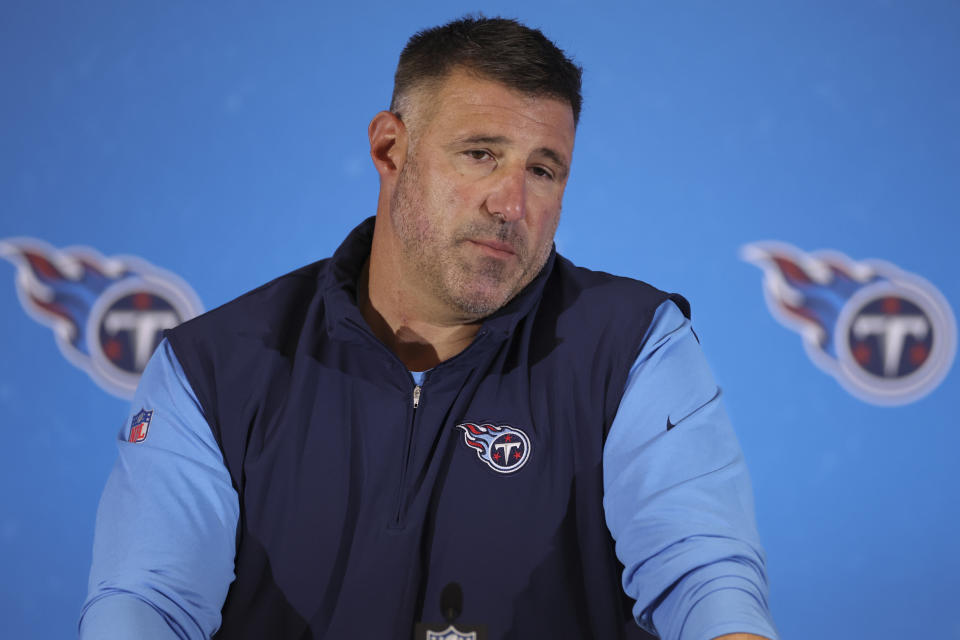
226 142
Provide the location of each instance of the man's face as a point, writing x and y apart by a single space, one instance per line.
478 199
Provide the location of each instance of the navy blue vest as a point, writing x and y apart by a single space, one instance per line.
357 509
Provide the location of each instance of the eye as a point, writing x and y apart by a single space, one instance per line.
478 154
542 172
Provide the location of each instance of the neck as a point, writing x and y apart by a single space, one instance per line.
416 336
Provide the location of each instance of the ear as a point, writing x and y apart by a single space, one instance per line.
388 144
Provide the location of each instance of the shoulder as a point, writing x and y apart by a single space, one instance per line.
250 342
595 324
597 297
274 304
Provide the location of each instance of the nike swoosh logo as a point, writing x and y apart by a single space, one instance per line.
670 425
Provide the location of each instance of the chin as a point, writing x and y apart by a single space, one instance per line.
480 302
486 301
477 307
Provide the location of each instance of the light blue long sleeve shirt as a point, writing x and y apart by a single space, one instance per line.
677 500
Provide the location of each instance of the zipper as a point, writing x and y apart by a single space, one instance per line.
417 396
397 522
408 450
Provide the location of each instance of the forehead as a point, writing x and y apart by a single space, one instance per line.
466 104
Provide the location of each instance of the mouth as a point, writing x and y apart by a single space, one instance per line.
495 248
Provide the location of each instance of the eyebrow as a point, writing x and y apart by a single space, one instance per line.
483 139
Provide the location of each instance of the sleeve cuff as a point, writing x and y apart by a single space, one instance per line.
703 607
727 610
116 616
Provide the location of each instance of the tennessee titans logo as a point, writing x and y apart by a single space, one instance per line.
503 448
888 336
107 314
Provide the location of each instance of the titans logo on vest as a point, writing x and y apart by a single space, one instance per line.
888 336
107 314
503 448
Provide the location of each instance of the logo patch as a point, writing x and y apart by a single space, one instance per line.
107 314
503 448
139 425
888 336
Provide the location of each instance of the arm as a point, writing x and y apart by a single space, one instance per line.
166 527
678 499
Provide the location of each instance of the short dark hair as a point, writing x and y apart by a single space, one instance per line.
500 49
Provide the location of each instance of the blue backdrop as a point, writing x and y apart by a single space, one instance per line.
226 142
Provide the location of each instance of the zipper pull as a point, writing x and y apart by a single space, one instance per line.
416 396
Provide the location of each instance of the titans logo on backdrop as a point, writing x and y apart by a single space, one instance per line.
107 314
888 336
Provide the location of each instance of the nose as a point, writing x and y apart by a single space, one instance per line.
508 197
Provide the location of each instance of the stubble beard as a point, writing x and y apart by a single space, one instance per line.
474 287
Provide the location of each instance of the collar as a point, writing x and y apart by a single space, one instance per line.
343 272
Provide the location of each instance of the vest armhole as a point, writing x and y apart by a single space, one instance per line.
681 302
207 404
618 382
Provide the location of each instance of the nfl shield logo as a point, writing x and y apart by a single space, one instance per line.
139 425
451 633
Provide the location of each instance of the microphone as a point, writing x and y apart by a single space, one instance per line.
451 601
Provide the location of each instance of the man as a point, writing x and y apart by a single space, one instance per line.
445 400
